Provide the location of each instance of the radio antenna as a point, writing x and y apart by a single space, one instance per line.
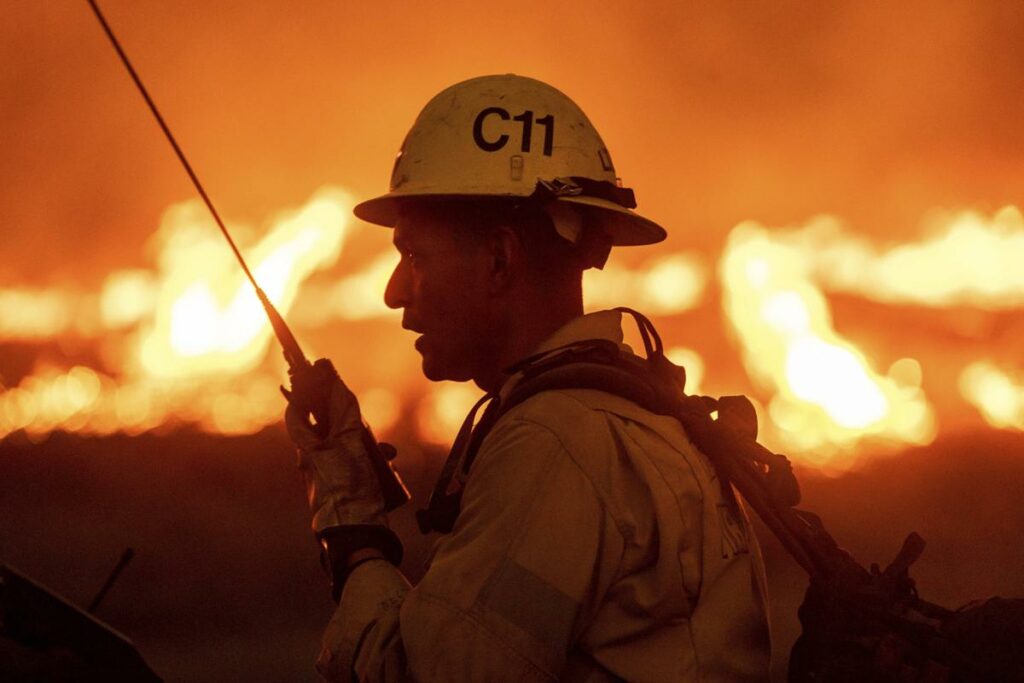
292 352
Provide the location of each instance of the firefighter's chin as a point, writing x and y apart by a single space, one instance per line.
440 364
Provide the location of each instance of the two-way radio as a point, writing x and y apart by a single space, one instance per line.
310 381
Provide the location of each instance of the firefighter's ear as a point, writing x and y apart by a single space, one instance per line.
505 257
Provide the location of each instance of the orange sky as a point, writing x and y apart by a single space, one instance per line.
714 112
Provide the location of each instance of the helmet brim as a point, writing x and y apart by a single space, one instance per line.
623 226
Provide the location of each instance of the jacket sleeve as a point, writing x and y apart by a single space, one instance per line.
507 592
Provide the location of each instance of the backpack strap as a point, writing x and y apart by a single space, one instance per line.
445 499
765 479
590 364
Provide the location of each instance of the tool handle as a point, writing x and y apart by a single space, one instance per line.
311 392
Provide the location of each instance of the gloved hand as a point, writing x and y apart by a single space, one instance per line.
341 486
343 490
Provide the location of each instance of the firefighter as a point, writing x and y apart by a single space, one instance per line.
588 540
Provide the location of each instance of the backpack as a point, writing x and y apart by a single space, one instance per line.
858 625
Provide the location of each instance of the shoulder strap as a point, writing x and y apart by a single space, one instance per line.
765 479
591 364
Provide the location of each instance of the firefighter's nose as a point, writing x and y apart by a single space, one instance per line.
396 294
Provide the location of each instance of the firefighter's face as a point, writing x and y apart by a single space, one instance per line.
442 287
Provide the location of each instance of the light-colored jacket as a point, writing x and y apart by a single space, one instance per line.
594 543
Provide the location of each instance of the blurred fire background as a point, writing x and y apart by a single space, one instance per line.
841 183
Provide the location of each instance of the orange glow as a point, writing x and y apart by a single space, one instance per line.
692 363
194 330
380 408
187 342
208 319
442 411
361 296
128 297
669 284
966 259
997 394
85 401
27 314
49 399
826 396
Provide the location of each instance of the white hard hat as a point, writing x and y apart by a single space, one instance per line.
514 137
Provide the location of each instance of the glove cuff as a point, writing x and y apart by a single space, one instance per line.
339 542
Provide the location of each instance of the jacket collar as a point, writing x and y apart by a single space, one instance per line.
597 325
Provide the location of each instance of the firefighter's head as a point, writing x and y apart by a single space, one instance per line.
471 274
502 191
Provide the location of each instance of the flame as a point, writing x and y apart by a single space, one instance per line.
667 285
997 394
49 399
827 397
27 315
967 260
86 401
196 319
356 297
128 297
187 342
208 317
361 296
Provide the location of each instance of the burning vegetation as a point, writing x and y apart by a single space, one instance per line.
186 342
